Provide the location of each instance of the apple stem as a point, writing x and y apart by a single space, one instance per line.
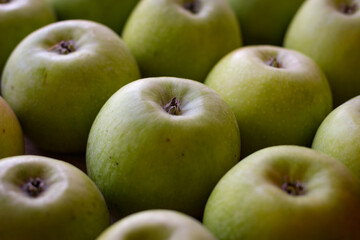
348 8
34 187
273 62
63 47
192 6
295 189
173 107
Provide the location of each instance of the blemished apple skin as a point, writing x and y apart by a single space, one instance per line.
11 135
69 207
112 13
141 157
57 96
18 18
263 21
157 224
273 105
331 38
339 135
169 40
249 202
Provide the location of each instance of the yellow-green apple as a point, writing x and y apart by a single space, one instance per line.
339 135
328 31
18 18
44 198
285 192
157 224
279 96
181 38
11 135
58 78
161 143
112 13
263 21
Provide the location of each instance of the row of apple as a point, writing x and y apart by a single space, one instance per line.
166 142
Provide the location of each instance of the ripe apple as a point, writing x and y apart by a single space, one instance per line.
285 192
181 38
279 96
161 143
263 21
112 13
157 224
328 31
44 198
11 136
59 77
18 18
339 135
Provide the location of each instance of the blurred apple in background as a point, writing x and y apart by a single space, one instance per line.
339 135
264 21
279 96
157 225
18 18
44 198
11 136
285 192
181 38
59 77
328 31
161 143
112 13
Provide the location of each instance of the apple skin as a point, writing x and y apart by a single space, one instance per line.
157 224
273 105
57 96
11 135
69 207
169 40
18 18
331 39
112 13
142 157
249 202
339 135
262 21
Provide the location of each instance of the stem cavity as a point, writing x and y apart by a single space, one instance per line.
347 8
274 62
192 6
34 186
293 188
173 107
63 47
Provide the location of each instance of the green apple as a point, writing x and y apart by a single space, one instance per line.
161 143
279 96
328 31
112 13
58 78
11 135
264 21
18 18
285 192
44 198
181 38
339 135
157 225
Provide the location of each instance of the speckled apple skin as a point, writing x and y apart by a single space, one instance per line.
331 39
142 157
249 202
56 97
